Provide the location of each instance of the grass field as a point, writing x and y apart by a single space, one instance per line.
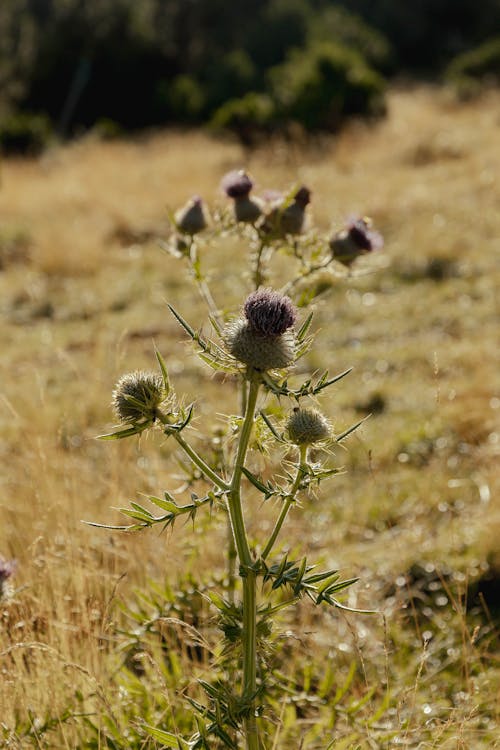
83 291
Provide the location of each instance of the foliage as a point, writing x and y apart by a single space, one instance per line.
476 66
322 85
160 62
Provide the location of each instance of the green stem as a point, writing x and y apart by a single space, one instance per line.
250 657
301 470
202 285
231 562
248 574
258 277
195 458
234 496
200 463
308 272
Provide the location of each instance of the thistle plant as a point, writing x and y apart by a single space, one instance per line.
259 346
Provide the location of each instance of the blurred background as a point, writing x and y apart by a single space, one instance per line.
120 65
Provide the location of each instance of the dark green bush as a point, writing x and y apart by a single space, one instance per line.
24 133
481 63
322 86
247 117
338 25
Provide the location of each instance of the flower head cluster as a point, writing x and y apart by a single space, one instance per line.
358 238
237 185
307 426
138 395
262 339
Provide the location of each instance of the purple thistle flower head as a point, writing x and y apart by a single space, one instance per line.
236 184
358 238
269 313
7 568
360 233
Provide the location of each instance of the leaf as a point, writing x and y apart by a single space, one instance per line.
163 368
146 518
321 576
167 738
301 334
267 490
183 323
132 527
271 427
127 432
347 432
167 504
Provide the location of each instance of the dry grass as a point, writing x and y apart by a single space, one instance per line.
417 512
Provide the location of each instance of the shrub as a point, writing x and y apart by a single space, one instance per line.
479 64
24 133
247 117
323 85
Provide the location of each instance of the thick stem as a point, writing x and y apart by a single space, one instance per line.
301 470
234 496
248 574
231 562
250 657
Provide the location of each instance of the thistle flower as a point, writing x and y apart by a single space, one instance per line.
358 238
191 218
281 221
307 426
138 395
237 185
7 568
262 339
269 313
257 350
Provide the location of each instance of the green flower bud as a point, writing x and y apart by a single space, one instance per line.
257 350
307 426
138 395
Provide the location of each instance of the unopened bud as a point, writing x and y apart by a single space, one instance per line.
138 395
307 426
290 220
358 238
236 184
191 218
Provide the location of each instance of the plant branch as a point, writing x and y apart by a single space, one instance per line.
302 469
